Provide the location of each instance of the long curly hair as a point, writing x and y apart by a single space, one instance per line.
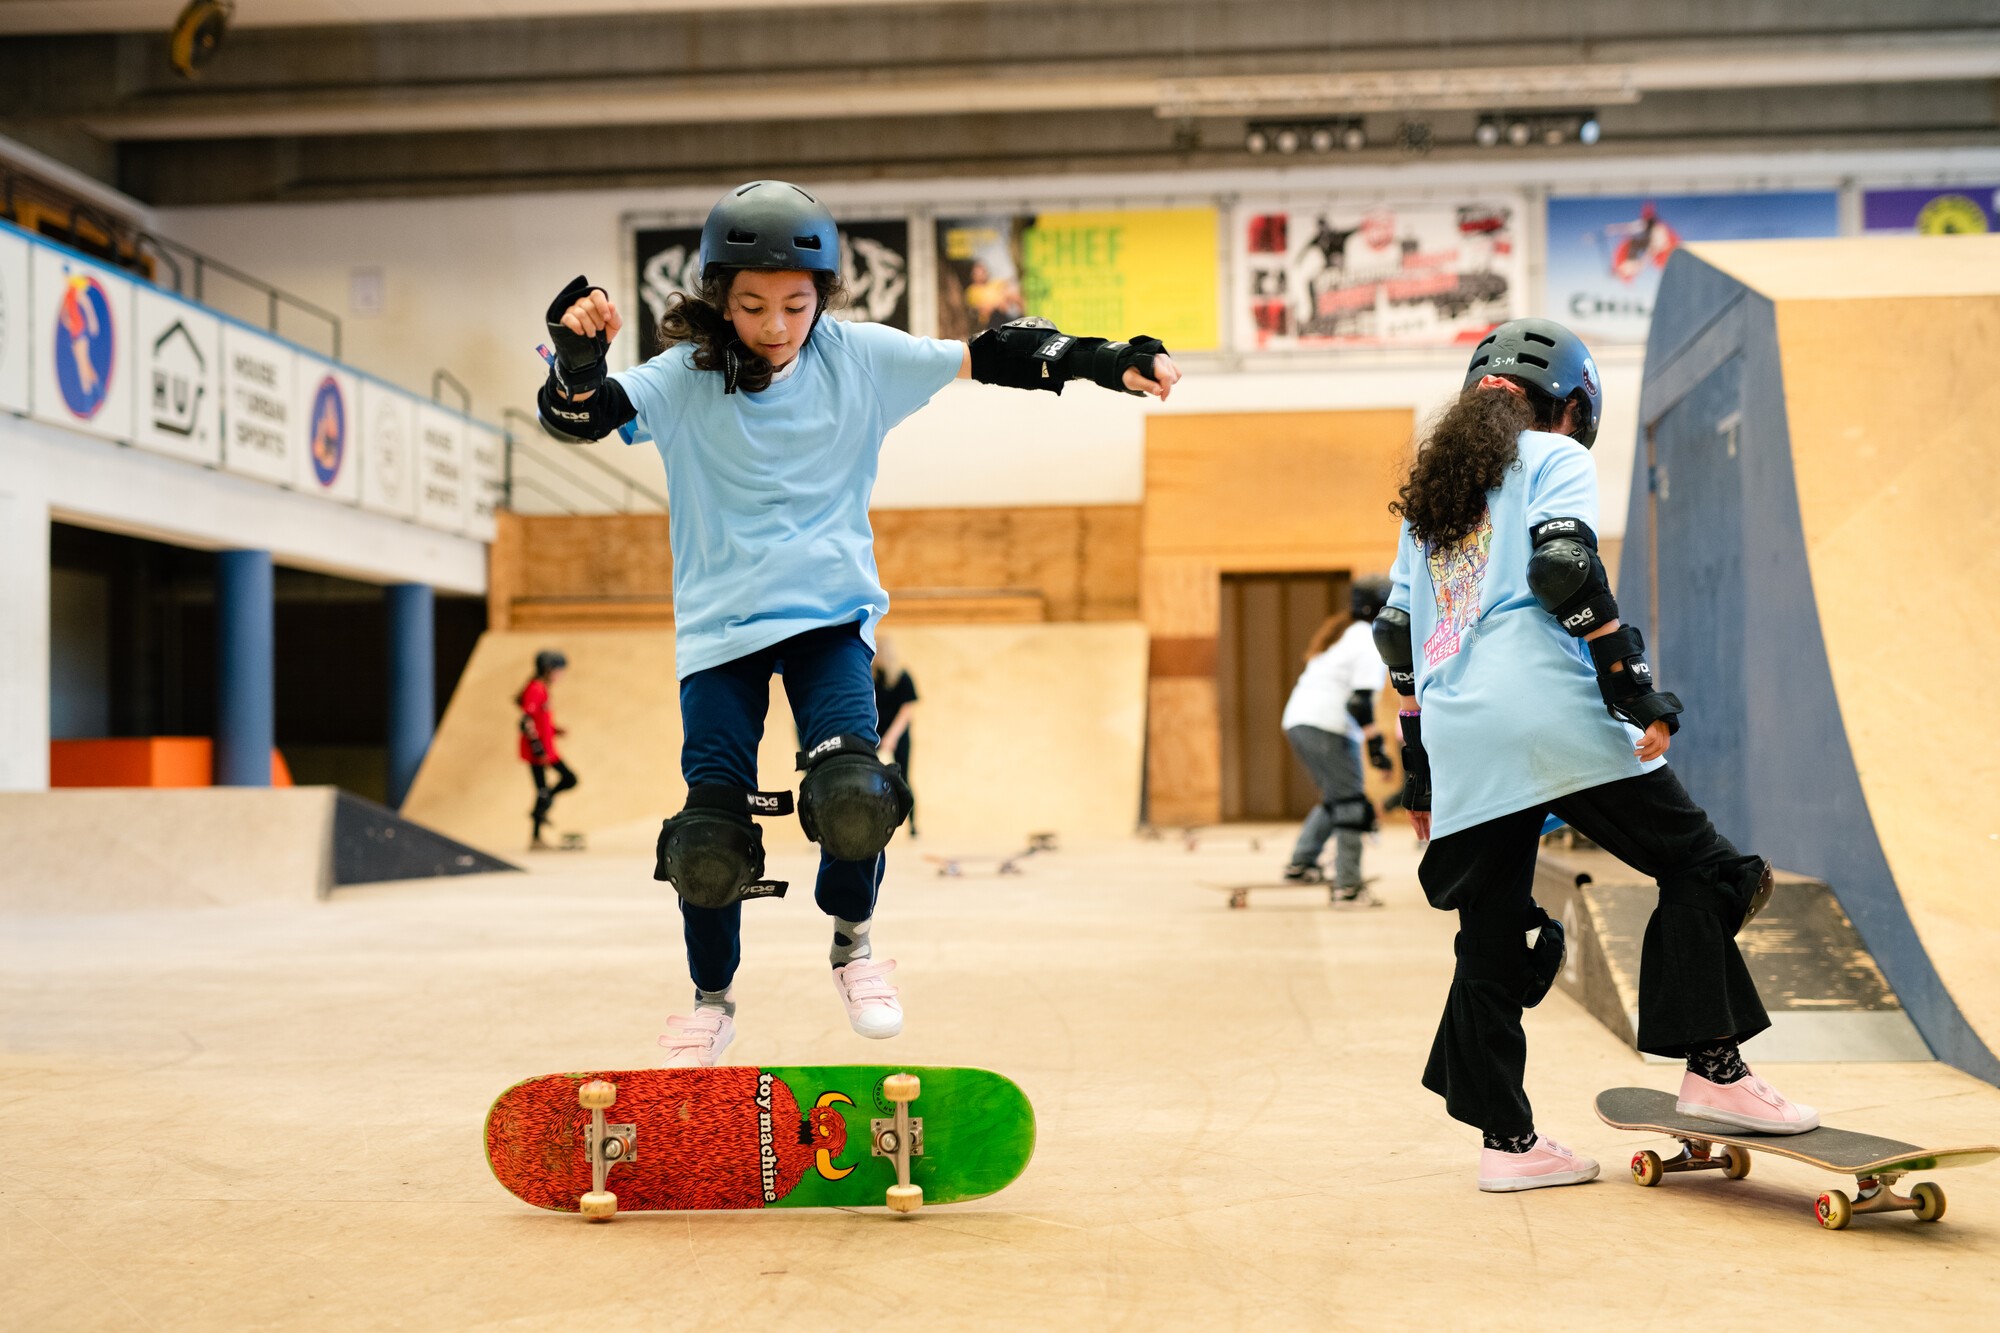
1466 453
702 318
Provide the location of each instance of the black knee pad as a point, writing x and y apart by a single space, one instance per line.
712 852
850 802
1357 814
1734 893
1527 972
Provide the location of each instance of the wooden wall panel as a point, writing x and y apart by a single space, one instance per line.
1184 762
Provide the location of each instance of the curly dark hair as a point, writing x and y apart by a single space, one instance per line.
702 318
1466 453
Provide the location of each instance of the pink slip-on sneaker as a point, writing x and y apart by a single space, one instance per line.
872 1007
1748 1103
1547 1163
698 1040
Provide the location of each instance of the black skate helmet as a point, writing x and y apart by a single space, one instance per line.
549 659
1368 596
769 225
1548 356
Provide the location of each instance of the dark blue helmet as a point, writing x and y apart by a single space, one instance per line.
1548 356
549 659
769 225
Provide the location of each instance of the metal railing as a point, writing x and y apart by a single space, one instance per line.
567 472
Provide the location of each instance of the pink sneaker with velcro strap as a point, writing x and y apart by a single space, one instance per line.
1546 1164
1748 1103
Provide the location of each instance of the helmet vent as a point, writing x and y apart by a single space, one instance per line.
1542 338
737 237
1479 361
806 242
1533 360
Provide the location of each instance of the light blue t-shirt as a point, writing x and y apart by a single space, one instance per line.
1511 712
768 492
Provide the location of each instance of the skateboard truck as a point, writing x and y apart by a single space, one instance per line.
608 1145
901 1138
1876 1194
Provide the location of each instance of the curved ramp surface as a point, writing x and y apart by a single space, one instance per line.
1814 549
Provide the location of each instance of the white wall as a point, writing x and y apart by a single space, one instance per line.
24 630
467 280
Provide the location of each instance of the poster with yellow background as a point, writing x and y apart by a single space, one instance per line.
1108 274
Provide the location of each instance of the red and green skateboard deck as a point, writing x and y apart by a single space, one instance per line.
737 1136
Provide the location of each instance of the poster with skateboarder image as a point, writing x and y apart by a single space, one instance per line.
1375 273
1606 252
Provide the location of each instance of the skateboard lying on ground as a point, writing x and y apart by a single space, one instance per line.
1239 894
1876 1164
736 1136
953 867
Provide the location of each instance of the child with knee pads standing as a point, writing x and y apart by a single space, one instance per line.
1523 695
770 420
1329 717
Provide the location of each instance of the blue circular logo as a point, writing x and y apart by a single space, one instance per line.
329 431
84 344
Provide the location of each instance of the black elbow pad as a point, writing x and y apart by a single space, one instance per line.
1567 577
1392 641
1361 707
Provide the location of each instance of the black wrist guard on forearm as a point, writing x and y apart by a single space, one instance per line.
579 423
1628 692
579 366
1416 767
1378 754
1032 353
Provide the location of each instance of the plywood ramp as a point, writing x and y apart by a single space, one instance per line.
1821 417
1022 728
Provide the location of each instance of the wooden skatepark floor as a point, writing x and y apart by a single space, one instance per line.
269 1116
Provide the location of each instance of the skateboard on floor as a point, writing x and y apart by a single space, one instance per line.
1239 894
953 867
737 1136
1876 1164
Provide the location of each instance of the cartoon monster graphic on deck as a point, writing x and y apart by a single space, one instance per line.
825 1129
84 345
1458 570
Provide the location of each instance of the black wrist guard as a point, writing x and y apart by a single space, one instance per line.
1416 767
1378 754
579 423
1629 693
1032 353
580 361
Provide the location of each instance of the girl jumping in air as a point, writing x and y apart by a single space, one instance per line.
1523 695
770 419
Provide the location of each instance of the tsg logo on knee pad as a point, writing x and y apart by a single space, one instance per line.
850 802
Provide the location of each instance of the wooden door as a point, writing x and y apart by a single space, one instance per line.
1267 622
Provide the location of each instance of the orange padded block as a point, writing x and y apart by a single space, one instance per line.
143 761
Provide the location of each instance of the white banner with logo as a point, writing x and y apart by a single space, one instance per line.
258 405
486 470
388 450
441 489
15 320
178 347
329 461
80 339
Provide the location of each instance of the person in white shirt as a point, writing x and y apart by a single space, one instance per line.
1328 719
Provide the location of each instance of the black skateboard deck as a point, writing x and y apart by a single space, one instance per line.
1875 1163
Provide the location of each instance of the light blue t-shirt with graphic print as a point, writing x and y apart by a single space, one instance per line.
768 492
1511 713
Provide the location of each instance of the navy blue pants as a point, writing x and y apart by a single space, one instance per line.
832 694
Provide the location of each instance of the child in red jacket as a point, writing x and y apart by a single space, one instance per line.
538 740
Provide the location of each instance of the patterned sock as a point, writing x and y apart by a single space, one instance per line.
1718 1062
714 999
1511 1142
850 941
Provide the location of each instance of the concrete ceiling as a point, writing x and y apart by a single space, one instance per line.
666 91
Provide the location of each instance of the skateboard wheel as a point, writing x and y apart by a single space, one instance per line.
597 1094
599 1205
1739 1163
1646 1167
1930 1201
1834 1210
905 1198
901 1088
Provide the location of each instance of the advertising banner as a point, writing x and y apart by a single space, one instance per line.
178 347
326 450
1380 274
1934 210
388 450
15 320
258 408
485 469
1094 274
441 489
81 345
874 263
1606 252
